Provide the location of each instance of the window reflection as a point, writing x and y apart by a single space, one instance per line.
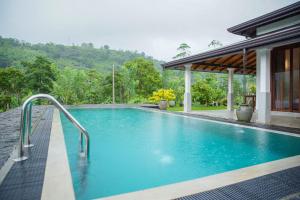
286 78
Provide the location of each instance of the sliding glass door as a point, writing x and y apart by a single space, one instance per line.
286 78
296 79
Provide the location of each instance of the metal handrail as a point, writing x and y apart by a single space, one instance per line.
25 125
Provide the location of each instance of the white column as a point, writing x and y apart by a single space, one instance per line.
257 81
230 97
187 93
264 109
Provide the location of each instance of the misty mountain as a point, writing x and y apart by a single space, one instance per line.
13 52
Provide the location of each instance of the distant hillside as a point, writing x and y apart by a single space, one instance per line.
13 52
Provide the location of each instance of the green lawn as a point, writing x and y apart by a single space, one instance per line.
197 107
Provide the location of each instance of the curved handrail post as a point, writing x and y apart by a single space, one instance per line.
28 125
25 124
20 153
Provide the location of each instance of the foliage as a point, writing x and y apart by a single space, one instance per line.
83 75
137 99
175 81
11 87
40 75
162 94
147 77
252 89
215 44
197 107
209 88
13 52
75 86
183 51
202 92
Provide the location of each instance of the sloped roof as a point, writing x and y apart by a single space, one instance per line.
248 28
231 56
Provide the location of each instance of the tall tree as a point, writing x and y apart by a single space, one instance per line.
183 51
215 44
147 76
40 75
12 87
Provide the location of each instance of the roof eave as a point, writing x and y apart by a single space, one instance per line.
241 29
265 40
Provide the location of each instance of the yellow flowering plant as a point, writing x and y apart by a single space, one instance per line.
162 94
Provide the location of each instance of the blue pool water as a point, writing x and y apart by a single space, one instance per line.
133 149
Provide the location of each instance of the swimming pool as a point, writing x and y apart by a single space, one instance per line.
134 149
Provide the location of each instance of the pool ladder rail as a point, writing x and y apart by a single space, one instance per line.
25 127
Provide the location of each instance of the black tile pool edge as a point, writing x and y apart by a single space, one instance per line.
25 179
279 185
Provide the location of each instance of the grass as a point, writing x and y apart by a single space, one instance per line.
197 107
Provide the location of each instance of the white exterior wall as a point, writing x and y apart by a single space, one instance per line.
278 25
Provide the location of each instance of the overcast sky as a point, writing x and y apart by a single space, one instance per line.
155 27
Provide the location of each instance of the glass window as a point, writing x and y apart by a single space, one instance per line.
286 78
282 79
296 80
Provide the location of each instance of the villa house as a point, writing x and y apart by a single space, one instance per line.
271 51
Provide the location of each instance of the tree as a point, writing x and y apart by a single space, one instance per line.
64 86
12 87
120 87
40 75
174 80
162 94
215 44
183 51
74 86
94 87
202 92
146 76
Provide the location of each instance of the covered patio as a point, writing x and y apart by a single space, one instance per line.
249 57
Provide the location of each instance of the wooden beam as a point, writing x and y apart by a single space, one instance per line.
216 59
248 58
227 59
223 69
251 59
237 59
220 65
253 62
212 69
204 68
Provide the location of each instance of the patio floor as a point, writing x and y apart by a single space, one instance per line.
277 118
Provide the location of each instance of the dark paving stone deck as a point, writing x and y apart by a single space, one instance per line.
283 185
10 129
25 179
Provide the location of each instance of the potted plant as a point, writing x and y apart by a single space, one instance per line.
163 104
172 103
244 112
162 97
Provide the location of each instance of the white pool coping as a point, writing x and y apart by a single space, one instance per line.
194 186
58 180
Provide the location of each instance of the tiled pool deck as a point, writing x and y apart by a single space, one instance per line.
25 179
10 127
